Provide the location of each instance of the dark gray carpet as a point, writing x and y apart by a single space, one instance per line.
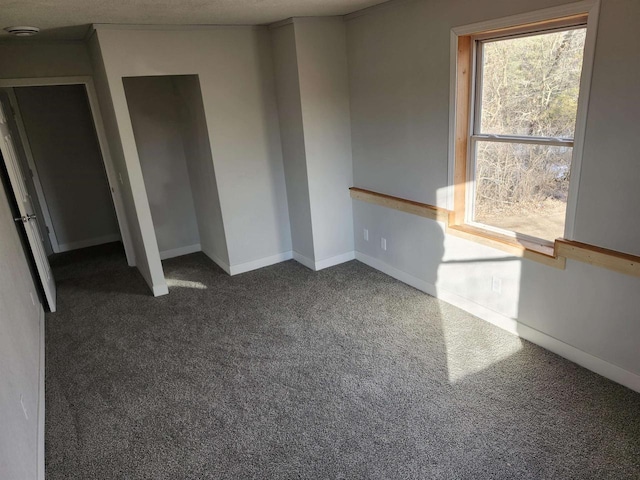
285 373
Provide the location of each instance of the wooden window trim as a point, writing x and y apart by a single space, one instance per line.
535 249
533 27
464 85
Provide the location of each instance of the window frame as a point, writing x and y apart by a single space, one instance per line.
465 113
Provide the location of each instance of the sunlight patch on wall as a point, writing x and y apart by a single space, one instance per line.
481 275
491 280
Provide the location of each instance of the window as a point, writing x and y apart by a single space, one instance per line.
517 99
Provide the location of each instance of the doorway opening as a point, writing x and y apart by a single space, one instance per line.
172 140
59 168
69 179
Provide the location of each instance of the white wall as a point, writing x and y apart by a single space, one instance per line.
324 93
235 69
609 193
143 246
399 83
292 136
61 134
35 59
313 104
204 185
154 107
21 351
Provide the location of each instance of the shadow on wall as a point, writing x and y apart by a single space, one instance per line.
271 128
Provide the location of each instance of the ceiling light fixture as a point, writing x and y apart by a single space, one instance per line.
22 31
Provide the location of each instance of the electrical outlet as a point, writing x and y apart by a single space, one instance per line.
496 285
383 243
366 235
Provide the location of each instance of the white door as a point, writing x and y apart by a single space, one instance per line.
27 217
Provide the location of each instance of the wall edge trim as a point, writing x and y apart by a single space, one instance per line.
90 242
217 260
304 260
260 263
335 260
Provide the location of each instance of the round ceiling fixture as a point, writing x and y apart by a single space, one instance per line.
22 31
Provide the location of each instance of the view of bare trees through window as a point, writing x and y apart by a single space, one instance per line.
528 88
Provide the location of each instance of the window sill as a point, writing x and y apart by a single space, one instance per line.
538 252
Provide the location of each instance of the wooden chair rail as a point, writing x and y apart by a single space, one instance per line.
408 206
602 257
554 256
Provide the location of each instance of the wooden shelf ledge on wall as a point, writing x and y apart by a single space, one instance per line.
552 255
602 257
408 206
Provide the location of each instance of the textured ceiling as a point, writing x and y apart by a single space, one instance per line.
70 19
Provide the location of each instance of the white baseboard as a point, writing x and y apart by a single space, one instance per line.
40 467
306 261
337 260
584 359
322 264
178 252
90 242
217 260
261 262
159 290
